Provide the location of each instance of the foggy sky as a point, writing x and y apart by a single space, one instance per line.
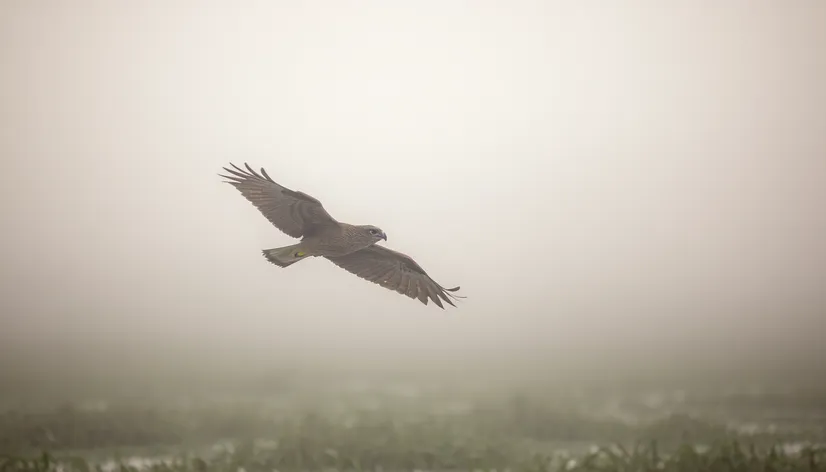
624 180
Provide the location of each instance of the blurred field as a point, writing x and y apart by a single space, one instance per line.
361 425
725 457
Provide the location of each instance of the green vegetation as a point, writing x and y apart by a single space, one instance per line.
723 457
404 428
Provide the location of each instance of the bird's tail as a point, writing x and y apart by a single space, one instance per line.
285 256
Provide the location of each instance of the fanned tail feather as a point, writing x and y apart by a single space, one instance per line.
284 256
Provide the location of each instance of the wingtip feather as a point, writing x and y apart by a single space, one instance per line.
242 174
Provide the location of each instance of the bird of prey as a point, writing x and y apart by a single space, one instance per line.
351 247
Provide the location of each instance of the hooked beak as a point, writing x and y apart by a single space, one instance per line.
384 236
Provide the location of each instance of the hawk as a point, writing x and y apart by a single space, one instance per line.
351 247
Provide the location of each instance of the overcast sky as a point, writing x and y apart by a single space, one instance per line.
601 178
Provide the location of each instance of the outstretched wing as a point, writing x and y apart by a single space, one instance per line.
295 213
395 271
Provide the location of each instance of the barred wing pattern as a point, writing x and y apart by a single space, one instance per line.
295 213
395 271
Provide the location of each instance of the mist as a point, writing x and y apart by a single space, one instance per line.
615 188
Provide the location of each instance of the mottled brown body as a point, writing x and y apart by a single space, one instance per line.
338 241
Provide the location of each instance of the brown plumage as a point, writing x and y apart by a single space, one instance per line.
351 247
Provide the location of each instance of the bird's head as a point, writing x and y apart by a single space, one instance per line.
374 233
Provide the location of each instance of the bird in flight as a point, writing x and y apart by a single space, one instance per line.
351 247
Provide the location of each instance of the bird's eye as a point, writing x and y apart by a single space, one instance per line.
372 231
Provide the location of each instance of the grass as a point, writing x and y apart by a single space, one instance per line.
386 428
369 430
729 456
